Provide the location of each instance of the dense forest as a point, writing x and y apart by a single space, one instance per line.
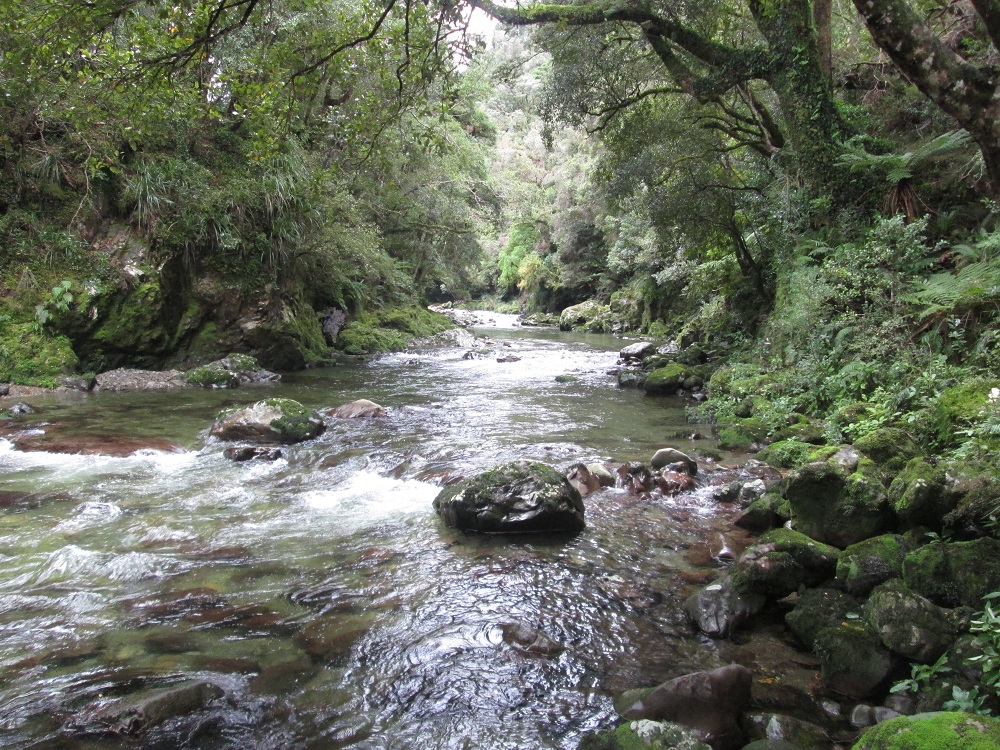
799 198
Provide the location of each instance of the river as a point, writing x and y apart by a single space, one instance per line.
319 593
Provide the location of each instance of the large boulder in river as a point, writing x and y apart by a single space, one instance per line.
589 316
638 351
274 420
360 409
865 565
667 456
781 561
709 702
230 372
519 497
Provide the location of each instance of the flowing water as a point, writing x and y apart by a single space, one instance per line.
320 593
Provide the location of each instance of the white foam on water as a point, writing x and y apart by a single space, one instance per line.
76 562
368 499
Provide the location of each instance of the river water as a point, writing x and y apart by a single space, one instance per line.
320 593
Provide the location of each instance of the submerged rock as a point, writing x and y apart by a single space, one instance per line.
708 702
274 420
252 453
530 641
520 497
134 714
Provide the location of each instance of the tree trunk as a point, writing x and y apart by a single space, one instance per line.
823 18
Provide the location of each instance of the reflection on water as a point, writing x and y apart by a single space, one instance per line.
319 592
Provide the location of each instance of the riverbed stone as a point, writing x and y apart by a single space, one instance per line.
645 735
833 507
761 515
134 714
591 316
816 609
583 479
709 702
908 624
863 566
635 477
667 456
781 561
775 727
274 420
529 640
514 498
241 453
638 351
125 379
919 495
953 574
853 661
934 731
360 409
719 608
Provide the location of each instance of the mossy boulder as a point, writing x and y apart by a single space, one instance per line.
720 608
920 496
763 514
644 735
667 380
865 565
740 434
908 624
207 376
804 432
781 561
948 730
515 498
889 447
230 372
833 507
853 661
786 454
977 501
816 609
587 315
274 420
954 574
390 330
30 357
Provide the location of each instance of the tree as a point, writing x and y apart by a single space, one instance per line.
960 77
780 48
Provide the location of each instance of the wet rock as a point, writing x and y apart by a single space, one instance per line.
169 643
761 515
125 379
908 624
719 609
853 661
900 703
603 474
781 561
832 507
708 702
93 444
750 492
276 420
953 574
635 477
865 565
75 384
458 338
21 408
674 482
780 728
507 358
881 713
629 377
135 714
227 664
283 677
862 716
816 609
935 731
583 479
726 493
530 641
231 372
638 351
360 409
513 498
667 456
252 453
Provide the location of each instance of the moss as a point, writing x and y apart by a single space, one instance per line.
919 495
30 357
852 659
952 730
786 454
958 407
390 330
803 432
889 447
782 560
668 379
956 573
865 565
817 609
212 377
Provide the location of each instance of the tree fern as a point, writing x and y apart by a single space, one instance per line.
969 287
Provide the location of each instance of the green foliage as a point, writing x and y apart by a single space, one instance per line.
58 302
389 330
31 357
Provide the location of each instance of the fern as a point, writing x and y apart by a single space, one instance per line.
970 286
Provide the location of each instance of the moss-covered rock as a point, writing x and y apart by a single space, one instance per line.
740 434
804 432
274 420
786 454
835 508
390 330
817 609
889 447
519 497
763 514
919 495
720 608
781 561
30 357
667 380
977 501
950 730
230 372
954 574
853 661
644 735
908 624
865 565
207 376
587 315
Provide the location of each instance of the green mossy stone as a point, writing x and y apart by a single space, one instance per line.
889 447
919 495
590 315
908 624
786 454
871 562
666 380
853 661
29 357
390 329
817 609
644 735
949 730
804 432
212 377
953 574
781 561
